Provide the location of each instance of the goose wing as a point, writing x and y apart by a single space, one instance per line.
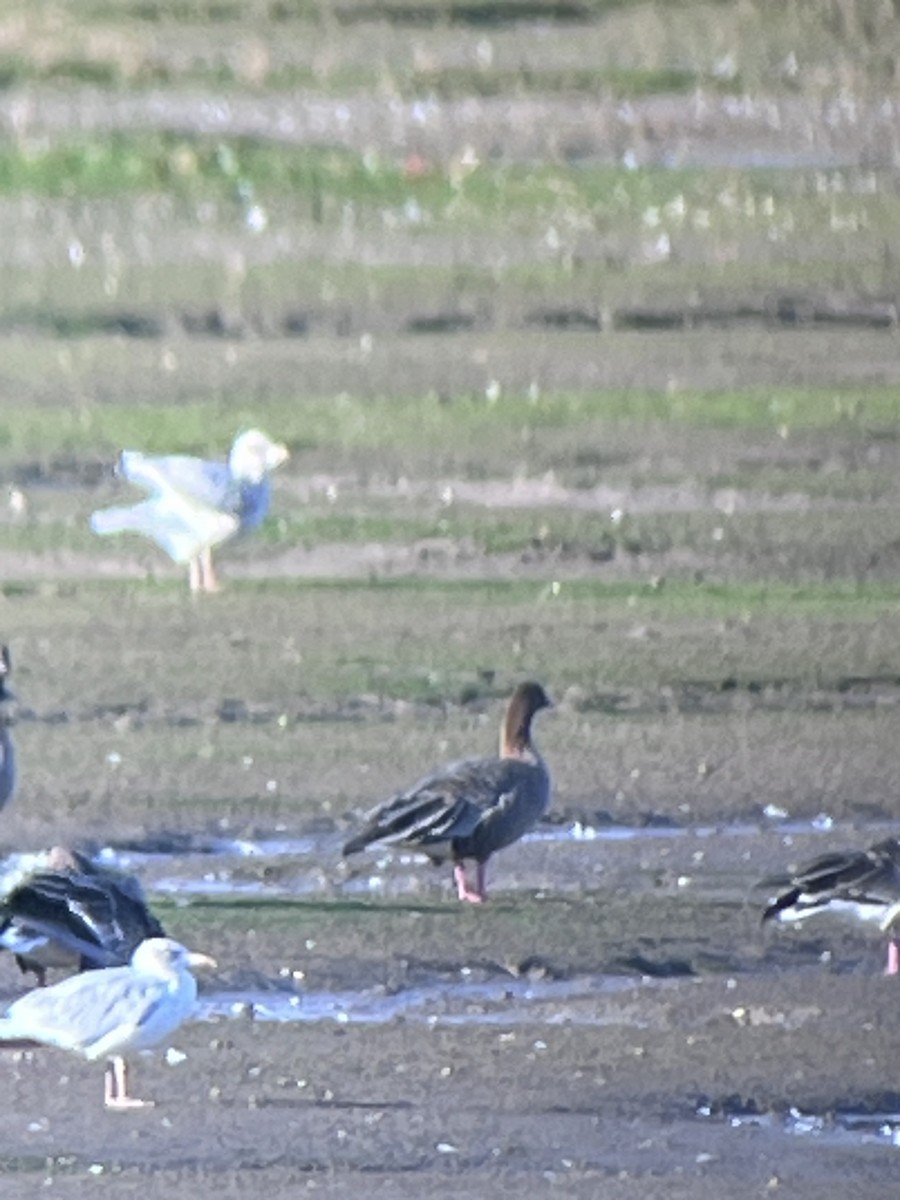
859 876
445 805
96 917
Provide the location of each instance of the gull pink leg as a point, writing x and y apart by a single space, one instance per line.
115 1087
893 960
462 884
207 572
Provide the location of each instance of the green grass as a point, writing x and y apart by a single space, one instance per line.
564 240
629 47
188 165
141 710
564 604
568 240
341 653
96 431
446 83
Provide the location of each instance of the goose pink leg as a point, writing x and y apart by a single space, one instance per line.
463 891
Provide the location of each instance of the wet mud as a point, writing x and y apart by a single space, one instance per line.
614 1022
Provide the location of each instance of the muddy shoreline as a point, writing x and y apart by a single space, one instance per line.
709 594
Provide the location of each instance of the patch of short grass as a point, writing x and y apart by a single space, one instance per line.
780 202
111 654
622 82
445 83
469 435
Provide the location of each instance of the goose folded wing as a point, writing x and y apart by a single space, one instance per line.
834 872
90 915
444 805
849 873
854 875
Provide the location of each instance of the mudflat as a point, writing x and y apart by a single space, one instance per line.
584 345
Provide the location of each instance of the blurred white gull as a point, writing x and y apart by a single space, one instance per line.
194 504
105 1013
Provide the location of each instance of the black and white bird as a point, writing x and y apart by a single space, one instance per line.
469 810
194 504
112 1012
68 914
861 884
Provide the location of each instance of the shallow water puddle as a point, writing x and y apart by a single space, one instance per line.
835 1128
294 847
311 865
499 1002
577 832
201 848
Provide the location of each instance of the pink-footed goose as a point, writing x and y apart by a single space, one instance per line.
469 810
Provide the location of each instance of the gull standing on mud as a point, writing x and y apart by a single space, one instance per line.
471 809
7 750
194 504
67 913
861 884
107 1013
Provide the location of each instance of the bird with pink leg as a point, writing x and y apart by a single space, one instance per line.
467 811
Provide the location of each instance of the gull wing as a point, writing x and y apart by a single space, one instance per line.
193 506
98 1013
180 526
197 479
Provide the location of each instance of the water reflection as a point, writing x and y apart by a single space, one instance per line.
844 1124
504 1002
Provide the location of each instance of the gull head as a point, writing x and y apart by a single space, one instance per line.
163 956
253 456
